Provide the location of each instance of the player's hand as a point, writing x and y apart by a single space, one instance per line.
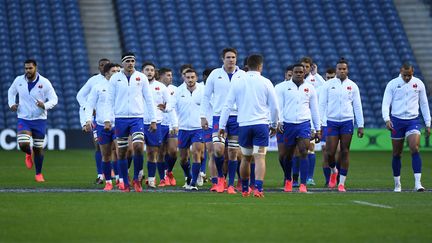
174 131
389 125
40 104
161 107
360 132
88 126
107 126
14 107
273 131
221 134
152 127
204 123
318 136
427 132
280 128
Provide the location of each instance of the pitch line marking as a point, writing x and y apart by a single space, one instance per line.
372 204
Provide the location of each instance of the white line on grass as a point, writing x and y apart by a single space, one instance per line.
372 204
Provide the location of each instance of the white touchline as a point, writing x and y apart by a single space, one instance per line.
372 204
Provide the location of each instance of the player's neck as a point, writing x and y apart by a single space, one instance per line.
229 69
191 88
127 73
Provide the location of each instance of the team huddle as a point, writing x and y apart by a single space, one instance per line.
226 120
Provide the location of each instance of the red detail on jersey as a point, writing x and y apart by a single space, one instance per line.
312 80
415 86
349 88
157 88
40 86
306 90
138 79
216 126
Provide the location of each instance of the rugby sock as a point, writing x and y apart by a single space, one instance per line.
303 170
327 171
245 185
38 160
186 169
396 165
295 167
417 177
259 185
138 165
342 173
288 168
98 159
161 170
416 162
106 167
129 162
311 165
151 168
114 165
171 162
232 168
252 174
123 165
238 170
195 172
397 180
204 162
219 165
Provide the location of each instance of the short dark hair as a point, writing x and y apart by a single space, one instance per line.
28 61
254 61
306 60
128 54
207 71
298 65
104 60
331 70
108 67
148 63
289 68
342 60
184 67
228 49
164 70
406 66
191 70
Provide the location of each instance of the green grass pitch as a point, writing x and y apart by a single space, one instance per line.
373 215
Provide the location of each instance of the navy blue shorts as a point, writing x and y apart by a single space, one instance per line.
154 138
127 126
340 128
254 135
187 137
404 127
323 134
279 137
207 135
103 136
293 131
231 128
36 127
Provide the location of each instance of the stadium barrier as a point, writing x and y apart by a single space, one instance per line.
57 139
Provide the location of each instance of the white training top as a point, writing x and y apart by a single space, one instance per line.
340 101
42 91
255 98
298 104
187 104
160 96
128 97
405 99
315 79
169 118
83 93
98 100
217 85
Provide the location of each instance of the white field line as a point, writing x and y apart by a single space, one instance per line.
372 204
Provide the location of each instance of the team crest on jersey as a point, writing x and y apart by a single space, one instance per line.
40 86
157 88
138 79
415 86
312 80
349 88
306 90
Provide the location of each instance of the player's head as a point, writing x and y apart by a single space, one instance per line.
109 70
206 73
191 77
183 69
166 75
307 63
229 57
342 69
128 61
407 72
255 62
299 72
288 72
102 63
30 68
149 69
118 67
245 66
330 73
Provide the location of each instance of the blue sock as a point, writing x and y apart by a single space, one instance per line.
186 169
170 161
311 165
129 162
232 168
106 167
138 165
288 169
238 170
343 172
219 165
259 185
295 165
38 161
416 162
204 162
303 170
98 159
151 168
396 165
327 172
338 167
333 164
195 172
114 165
252 174
123 165
245 185
214 180
161 170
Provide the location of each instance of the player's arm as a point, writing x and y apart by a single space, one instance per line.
151 108
273 103
385 105
205 103
167 105
358 111
313 106
322 102
51 95
226 110
424 107
12 92
91 105
83 93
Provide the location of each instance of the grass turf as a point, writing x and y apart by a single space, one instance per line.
203 216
